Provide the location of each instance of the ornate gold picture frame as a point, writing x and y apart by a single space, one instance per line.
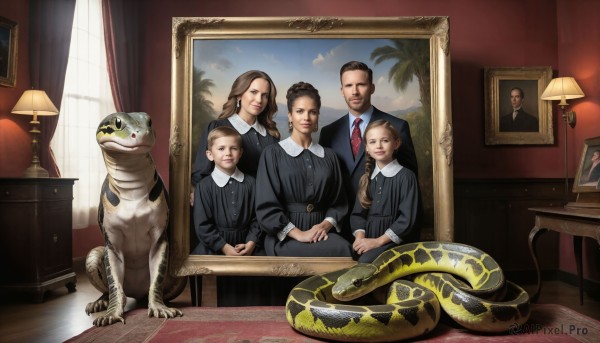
8 52
188 31
534 122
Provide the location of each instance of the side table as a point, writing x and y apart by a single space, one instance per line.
36 249
578 222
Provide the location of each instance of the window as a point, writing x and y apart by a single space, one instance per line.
87 99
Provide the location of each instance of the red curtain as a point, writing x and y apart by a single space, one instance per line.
50 27
121 33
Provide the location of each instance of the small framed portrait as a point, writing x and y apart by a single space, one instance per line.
514 112
8 52
587 178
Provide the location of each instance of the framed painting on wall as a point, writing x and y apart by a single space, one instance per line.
8 52
514 112
587 178
208 53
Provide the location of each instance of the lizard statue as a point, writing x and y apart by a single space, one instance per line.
133 215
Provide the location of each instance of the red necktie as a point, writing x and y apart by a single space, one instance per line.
356 139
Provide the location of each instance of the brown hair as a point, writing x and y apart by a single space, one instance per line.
222 131
520 91
363 185
240 85
301 89
355 65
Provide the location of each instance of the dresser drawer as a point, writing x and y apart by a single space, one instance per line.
27 193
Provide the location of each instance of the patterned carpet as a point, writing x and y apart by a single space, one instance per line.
548 323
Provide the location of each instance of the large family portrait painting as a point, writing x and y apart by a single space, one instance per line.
398 91
209 58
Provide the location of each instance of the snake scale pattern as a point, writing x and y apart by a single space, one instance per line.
338 305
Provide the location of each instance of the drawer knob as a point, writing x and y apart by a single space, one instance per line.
7 193
55 190
55 237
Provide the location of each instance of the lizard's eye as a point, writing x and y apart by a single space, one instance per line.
357 283
118 123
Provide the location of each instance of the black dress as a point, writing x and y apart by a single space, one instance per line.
393 211
252 142
300 187
225 215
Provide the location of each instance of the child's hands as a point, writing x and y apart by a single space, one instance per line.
245 249
228 250
361 244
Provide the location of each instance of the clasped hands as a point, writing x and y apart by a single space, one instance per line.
361 244
239 249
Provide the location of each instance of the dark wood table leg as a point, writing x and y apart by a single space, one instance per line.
534 234
577 249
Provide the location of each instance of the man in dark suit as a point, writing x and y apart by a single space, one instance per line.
518 120
357 87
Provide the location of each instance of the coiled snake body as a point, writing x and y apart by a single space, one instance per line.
315 306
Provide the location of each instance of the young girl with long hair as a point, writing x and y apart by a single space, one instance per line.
386 205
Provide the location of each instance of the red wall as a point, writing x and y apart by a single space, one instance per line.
562 34
482 33
15 140
579 57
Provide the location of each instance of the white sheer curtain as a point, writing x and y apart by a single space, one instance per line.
86 100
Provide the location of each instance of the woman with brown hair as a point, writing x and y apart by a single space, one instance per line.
249 109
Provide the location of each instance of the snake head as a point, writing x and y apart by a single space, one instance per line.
356 282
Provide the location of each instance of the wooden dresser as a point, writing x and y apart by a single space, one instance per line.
36 252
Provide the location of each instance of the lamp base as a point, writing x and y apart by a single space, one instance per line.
35 170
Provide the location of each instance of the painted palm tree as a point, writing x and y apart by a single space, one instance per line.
412 60
411 57
202 107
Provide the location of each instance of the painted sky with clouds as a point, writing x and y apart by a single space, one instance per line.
287 61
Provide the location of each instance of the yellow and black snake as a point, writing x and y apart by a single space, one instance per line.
485 303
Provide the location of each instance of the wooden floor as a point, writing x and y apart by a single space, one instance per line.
62 314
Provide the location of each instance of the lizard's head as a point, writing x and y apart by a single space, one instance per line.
126 132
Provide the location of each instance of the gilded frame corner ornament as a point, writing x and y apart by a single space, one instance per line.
186 30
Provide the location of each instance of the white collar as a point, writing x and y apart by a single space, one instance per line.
294 149
242 127
366 118
221 178
391 169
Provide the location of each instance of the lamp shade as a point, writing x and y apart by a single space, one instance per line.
35 102
562 88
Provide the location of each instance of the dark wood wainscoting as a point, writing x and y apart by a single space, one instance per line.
493 215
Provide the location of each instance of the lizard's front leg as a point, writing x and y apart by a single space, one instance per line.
116 296
158 268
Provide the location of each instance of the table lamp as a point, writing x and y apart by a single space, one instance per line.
36 103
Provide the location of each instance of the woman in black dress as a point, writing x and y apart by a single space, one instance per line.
300 202
249 109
